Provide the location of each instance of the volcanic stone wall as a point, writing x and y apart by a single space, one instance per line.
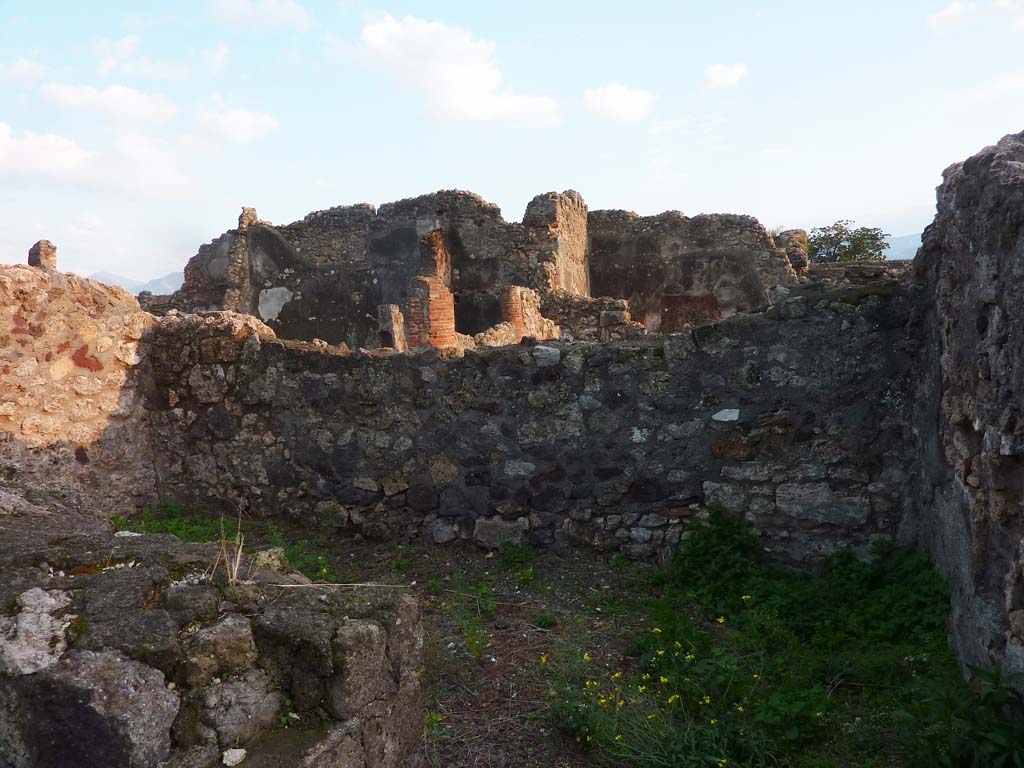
796 418
677 270
335 274
971 403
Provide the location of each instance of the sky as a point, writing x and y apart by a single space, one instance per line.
131 133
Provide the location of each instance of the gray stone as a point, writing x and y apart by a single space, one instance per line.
443 531
519 468
546 356
239 709
89 709
653 521
731 496
360 656
803 499
495 533
225 648
33 638
727 414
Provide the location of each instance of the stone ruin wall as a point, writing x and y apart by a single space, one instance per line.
561 445
971 402
845 411
676 270
350 275
70 416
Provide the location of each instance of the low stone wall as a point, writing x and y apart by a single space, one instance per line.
69 416
122 651
796 418
582 318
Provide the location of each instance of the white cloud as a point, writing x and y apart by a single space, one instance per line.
40 155
1015 8
236 125
456 74
953 12
958 11
618 102
263 14
724 75
115 102
20 69
113 52
118 57
132 164
217 58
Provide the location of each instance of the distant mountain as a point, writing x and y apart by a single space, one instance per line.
166 284
160 285
903 247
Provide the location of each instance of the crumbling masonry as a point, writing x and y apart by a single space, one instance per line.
446 271
581 380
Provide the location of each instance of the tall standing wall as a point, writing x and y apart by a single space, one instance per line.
970 421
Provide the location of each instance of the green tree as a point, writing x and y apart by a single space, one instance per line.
841 242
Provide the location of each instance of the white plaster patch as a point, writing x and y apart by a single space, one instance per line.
727 414
272 301
640 435
33 639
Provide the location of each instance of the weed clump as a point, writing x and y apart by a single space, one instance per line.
743 664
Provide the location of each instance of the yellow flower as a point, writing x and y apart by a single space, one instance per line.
543 658
714 722
746 598
618 737
661 653
673 698
720 619
591 684
757 676
655 631
602 701
819 714
645 676
678 644
740 709
663 680
586 657
641 688
723 762
651 716
706 700
689 657
616 676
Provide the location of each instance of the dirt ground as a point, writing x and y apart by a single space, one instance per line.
498 626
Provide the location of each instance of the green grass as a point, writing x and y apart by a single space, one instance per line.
303 557
195 525
742 664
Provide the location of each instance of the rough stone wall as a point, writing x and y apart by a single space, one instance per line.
970 421
123 652
795 418
797 247
557 225
585 319
336 237
675 269
69 415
